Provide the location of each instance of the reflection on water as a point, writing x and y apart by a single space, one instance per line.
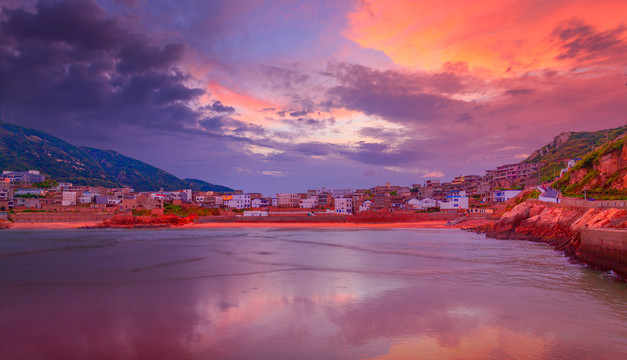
302 294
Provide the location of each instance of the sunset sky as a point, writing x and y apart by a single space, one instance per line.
284 96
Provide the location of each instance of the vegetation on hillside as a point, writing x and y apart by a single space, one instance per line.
24 149
199 185
578 144
593 184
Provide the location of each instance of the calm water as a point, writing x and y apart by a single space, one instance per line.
300 294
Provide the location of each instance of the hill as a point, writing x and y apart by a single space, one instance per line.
601 174
24 149
570 145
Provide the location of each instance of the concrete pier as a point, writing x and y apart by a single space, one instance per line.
605 248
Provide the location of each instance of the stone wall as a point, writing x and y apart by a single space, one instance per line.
605 248
601 204
42 217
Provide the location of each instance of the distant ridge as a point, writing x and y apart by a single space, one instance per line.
25 149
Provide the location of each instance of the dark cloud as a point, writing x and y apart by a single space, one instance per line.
281 78
225 126
380 133
218 107
67 65
393 95
579 40
402 154
299 113
308 123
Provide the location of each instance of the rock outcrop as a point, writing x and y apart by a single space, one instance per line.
554 224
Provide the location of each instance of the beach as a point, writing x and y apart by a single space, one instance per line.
83 224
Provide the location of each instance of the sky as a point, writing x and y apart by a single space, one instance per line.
285 96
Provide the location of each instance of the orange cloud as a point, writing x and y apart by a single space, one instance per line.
493 35
237 99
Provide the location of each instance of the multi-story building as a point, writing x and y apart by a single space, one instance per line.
325 200
239 201
455 200
186 195
502 195
381 201
336 193
344 205
308 203
69 198
30 176
512 172
87 197
288 200
423 204
260 202
366 205
36 192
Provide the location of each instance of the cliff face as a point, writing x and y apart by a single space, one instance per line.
555 224
607 171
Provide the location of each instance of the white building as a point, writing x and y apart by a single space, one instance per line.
548 195
455 200
87 197
64 186
30 176
308 203
69 198
344 206
186 195
336 193
239 201
260 202
366 205
423 204
504 195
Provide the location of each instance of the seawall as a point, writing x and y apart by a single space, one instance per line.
604 248
43 217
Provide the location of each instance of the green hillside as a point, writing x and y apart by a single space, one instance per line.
25 149
199 185
569 146
595 183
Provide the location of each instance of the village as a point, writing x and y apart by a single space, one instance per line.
29 192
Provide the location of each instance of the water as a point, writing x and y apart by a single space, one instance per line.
301 294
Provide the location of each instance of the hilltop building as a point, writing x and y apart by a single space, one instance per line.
30 176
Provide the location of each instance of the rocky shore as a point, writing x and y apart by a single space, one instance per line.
560 226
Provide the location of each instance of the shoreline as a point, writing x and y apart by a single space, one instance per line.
218 225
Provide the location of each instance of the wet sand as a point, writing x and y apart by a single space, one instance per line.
51 225
421 224
410 225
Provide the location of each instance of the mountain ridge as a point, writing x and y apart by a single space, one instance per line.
24 149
